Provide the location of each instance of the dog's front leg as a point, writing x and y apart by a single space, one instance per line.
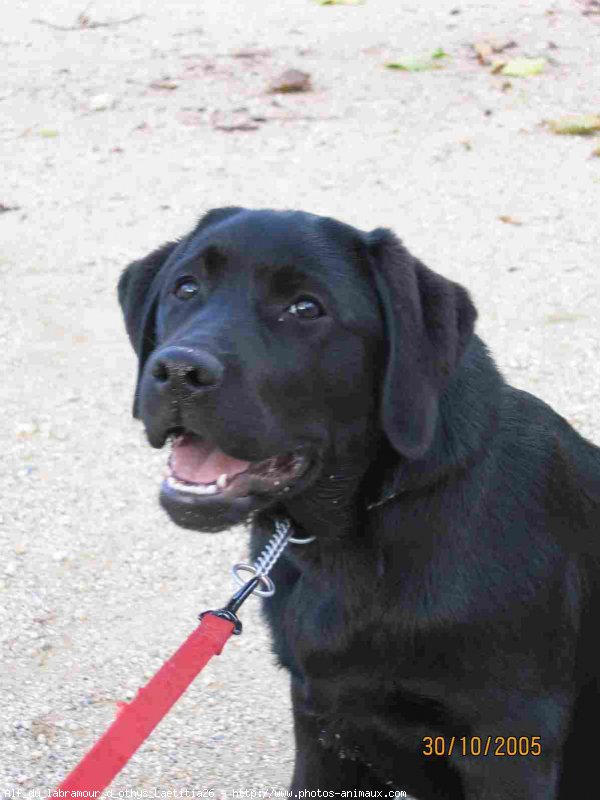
519 778
320 767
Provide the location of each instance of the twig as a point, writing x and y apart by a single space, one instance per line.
86 24
241 126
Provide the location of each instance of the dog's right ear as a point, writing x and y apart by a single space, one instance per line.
139 287
138 298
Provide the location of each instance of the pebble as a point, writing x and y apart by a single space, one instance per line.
101 102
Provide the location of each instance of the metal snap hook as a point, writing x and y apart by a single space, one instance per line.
269 589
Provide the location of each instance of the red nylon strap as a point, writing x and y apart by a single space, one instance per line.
136 720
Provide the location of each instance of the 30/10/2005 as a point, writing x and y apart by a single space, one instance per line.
499 746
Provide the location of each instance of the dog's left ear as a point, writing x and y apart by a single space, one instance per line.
429 321
138 298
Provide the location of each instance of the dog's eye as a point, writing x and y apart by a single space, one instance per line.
305 309
185 288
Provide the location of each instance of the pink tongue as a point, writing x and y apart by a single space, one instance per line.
196 461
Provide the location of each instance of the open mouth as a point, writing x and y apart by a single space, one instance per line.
198 467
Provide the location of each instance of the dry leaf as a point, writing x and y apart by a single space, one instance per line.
592 7
250 53
576 124
341 2
419 63
235 120
522 67
509 220
562 316
483 50
164 84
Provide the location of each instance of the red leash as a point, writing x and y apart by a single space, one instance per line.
136 720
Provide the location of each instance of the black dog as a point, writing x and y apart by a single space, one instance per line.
442 629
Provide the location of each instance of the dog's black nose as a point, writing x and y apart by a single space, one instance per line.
184 370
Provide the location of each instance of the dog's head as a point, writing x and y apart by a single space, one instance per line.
273 346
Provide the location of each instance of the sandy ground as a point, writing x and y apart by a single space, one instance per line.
97 587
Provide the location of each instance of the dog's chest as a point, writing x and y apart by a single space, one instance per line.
360 681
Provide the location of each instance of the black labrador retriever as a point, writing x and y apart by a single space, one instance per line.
441 630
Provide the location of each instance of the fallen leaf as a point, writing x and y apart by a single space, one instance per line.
84 22
238 126
591 7
509 220
48 133
341 2
500 47
576 124
483 51
164 84
562 316
419 63
292 80
523 67
236 120
250 53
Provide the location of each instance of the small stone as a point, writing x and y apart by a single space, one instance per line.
292 80
26 429
101 102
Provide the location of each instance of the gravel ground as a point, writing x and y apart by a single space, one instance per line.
115 139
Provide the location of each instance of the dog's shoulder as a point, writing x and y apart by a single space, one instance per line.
563 463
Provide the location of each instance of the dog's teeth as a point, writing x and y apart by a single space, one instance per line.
222 480
211 488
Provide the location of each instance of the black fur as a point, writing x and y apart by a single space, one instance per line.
467 604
